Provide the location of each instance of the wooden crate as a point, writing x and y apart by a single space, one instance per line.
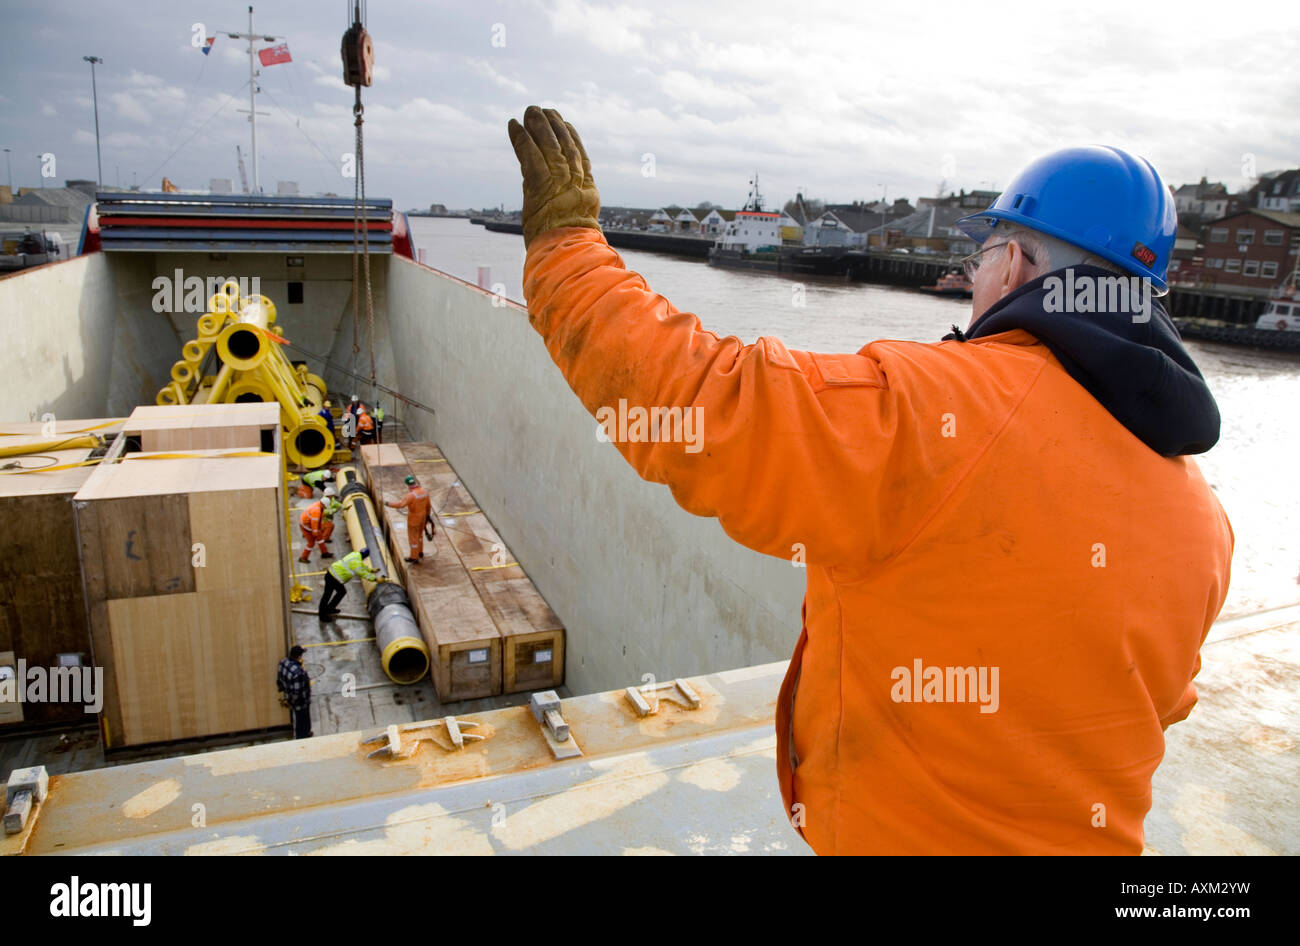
380 454
471 599
464 643
253 426
42 608
532 637
188 650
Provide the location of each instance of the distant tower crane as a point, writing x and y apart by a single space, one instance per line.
243 175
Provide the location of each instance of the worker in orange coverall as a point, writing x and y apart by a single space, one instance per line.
1015 504
317 524
416 504
365 426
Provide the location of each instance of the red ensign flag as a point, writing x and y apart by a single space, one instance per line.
274 54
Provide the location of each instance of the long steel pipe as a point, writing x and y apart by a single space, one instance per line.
402 651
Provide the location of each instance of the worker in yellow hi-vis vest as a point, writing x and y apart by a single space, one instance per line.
350 566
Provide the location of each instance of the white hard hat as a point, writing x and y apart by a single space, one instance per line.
330 492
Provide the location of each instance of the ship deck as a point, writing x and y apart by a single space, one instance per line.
680 782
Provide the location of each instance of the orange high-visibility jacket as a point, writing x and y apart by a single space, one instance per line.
961 508
312 517
416 502
365 421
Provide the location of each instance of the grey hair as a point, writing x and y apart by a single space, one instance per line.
1049 253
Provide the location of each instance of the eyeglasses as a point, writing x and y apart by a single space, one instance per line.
971 263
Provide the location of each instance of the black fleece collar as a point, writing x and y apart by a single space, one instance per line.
1137 369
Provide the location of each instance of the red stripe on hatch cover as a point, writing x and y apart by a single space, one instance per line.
208 223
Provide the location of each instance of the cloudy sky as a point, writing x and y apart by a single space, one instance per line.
844 100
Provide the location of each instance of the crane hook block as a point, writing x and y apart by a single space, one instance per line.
358 56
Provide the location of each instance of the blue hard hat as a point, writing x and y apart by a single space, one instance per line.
1107 201
365 552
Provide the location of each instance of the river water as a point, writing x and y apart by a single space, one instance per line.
1253 468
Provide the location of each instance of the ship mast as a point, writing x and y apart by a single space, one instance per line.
252 89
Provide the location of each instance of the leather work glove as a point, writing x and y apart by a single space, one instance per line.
558 187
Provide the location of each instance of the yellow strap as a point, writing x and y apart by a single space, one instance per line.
355 640
488 568
439 460
450 515
51 469
308 574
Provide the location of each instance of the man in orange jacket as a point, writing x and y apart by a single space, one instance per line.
416 503
1011 559
365 426
317 524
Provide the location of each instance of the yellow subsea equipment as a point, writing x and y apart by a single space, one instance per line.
238 342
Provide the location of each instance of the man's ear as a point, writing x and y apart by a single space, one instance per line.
1017 268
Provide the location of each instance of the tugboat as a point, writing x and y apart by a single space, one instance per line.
953 284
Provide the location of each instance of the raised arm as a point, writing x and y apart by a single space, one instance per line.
794 452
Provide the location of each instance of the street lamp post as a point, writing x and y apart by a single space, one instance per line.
94 91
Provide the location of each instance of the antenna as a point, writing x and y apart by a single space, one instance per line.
252 90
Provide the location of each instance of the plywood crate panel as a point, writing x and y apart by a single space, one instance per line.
198 663
202 426
42 608
185 567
